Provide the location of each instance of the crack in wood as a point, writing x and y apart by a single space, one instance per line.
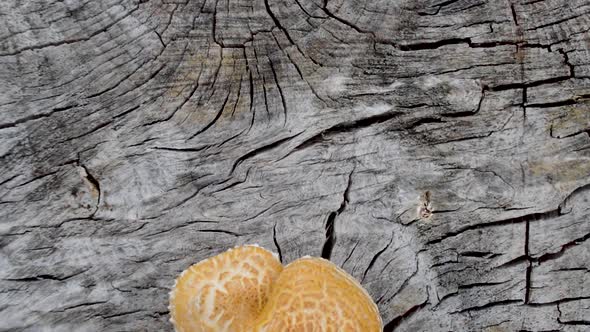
331 221
375 257
397 321
276 242
95 186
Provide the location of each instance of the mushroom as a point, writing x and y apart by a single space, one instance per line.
246 289
226 292
313 294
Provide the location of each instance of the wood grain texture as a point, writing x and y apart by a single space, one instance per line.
139 137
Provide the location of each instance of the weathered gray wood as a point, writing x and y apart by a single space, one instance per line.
139 137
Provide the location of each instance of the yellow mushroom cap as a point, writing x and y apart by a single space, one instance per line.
226 292
312 294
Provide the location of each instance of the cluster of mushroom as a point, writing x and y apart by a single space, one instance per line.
248 289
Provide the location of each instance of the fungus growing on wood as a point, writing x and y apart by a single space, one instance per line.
226 292
313 294
247 289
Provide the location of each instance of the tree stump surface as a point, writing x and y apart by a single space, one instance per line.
438 151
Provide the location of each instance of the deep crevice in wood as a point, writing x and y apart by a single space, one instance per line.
331 221
396 322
